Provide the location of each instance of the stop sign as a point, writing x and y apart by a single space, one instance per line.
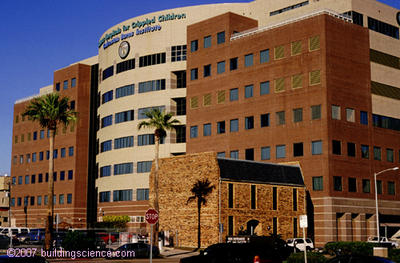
151 216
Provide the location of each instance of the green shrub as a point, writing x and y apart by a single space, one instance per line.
312 257
77 241
346 248
394 255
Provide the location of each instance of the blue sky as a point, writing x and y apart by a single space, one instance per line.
39 37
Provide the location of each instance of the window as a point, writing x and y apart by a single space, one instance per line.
220 127
233 63
249 122
42 134
350 115
105 171
391 188
14 180
146 139
280 151
316 147
106 97
264 56
21 159
106 146
71 151
230 195
123 168
33 179
352 184
230 226
265 153
28 158
207 41
194 45
122 195
351 149
234 125
70 174
264 119
364 117
377 153
104 196
336 147
234 154
249 154
62 175
233 94
221 37
26 179
379 187
180 106
194 74
335 112
19 201
40 178
178 53
193 132
248 60
61 199
123 142
33 157
253 197
317 183
142 111
298 149
274 198
126 65
39 200
279 52
207 129
35 136
279 85
297 81
41 156
288 8
142 194
365 151
106 121
58 86
207 70
55 176
383 28
389 155
151 85
152 59
124 116
315 77
280 118
337 183
366 184
248 91
264 88
65 84
221 67
144 167
294 199
32 202
297 115
314 43
62 152
46 199
296 48
221 155
125 91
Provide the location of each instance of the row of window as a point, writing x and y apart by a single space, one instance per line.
352 185
125 116
253 197
31 179
288 8
65 84
41 135
249 91
125 168
264 57
207 41
249 122
30 200
40 155
124 195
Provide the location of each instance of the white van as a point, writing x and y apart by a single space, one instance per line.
14 230
298 243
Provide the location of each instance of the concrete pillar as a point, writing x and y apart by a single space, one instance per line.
359 226
371 225
344 227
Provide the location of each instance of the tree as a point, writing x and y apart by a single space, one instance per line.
50 111
161 122
200 191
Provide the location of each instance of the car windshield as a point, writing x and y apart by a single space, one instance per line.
299 241
308 240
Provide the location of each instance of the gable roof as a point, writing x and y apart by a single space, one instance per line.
259 172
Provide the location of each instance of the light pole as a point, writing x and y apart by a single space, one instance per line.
376 198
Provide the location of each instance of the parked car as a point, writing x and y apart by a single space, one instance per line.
37 235
236 253
358 259
383 241
141 250
107 237
299 245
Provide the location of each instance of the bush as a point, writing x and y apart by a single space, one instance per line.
347 248
312 257
394 255
77 241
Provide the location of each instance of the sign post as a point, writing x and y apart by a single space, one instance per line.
304 225
151 217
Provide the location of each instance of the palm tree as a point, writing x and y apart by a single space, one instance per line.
200 191
161 122
49 111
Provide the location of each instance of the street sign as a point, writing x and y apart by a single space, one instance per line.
303 221
151 216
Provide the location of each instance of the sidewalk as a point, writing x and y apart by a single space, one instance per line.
168 252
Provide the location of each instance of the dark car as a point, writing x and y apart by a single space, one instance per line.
237 253
141 250
35 259
358 259
37 235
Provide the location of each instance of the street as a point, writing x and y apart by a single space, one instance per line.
164 260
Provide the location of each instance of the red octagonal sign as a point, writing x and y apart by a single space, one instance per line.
151 216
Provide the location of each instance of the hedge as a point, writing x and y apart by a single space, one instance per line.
312 257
